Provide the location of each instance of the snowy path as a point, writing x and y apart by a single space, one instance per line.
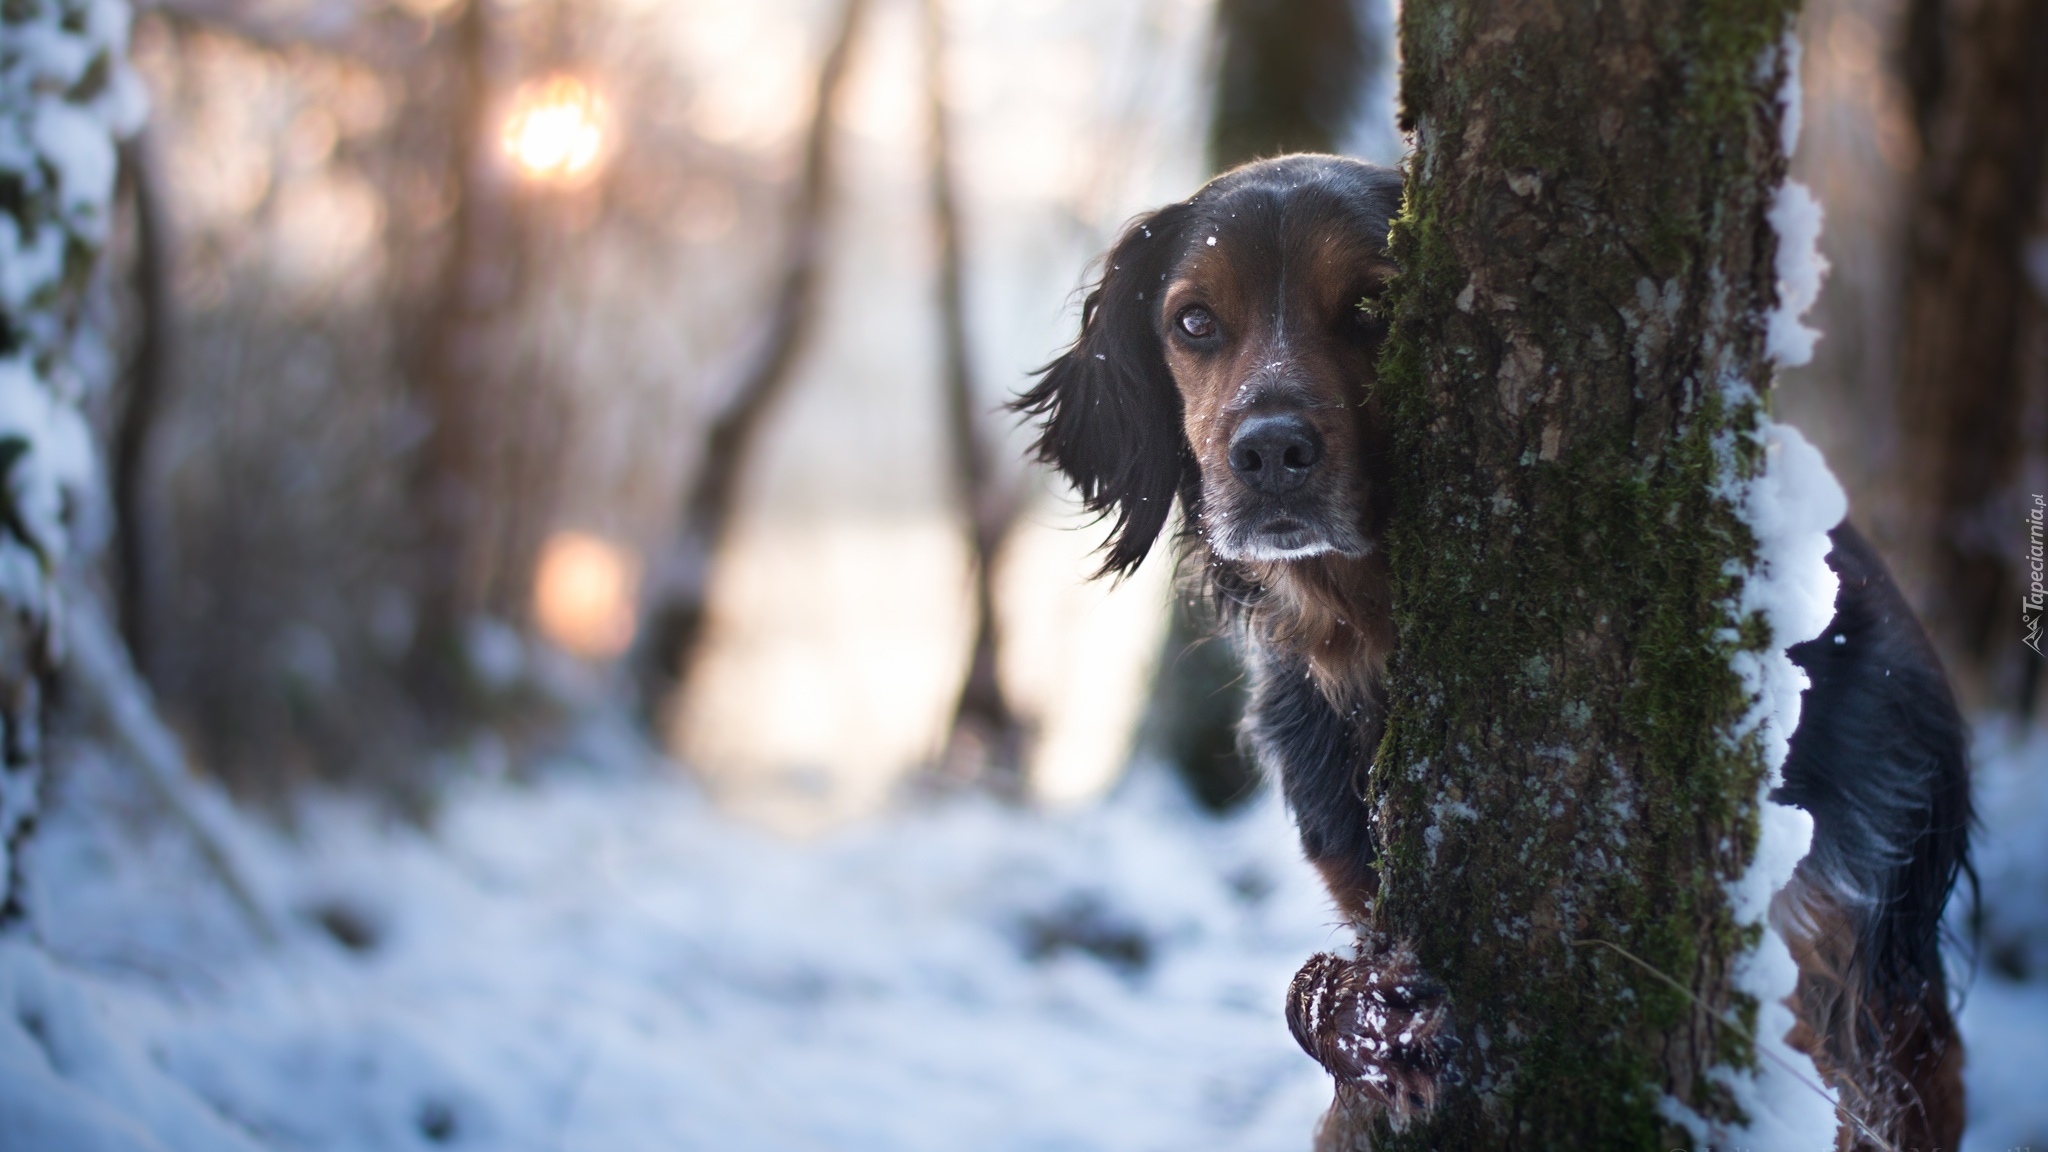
609 965
601 962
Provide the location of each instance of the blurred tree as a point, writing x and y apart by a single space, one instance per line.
482 479
1574 379
1198 696
986 741
68 98
261 446
65 96
1973 401
1294 77
145 381
679 581
363 428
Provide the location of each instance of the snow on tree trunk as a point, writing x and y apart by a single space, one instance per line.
65 95
1601 547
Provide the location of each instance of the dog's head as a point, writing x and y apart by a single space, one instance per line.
1225 358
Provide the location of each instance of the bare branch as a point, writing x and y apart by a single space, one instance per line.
986 738
673 618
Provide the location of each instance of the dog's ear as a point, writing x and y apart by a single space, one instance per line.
1109 414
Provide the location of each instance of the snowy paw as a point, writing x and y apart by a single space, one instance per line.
1378 1025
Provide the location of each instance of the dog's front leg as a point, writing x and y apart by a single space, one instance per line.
1375 1021
1378 1025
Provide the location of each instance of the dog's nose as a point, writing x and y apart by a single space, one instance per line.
1275 453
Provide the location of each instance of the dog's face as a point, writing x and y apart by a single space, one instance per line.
1225 359
1273 360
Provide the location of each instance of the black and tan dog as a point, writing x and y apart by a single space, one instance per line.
1224 363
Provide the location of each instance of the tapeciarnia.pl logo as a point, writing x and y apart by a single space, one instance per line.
2036 599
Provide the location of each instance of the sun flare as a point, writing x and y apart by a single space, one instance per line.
555 132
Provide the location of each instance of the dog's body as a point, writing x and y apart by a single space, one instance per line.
1225 362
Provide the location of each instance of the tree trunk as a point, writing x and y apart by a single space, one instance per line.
1198 697
474 371
680 582
1973 395
1291 78
986 742
1573 385
143 398
69 95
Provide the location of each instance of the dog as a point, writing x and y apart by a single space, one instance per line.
1224 365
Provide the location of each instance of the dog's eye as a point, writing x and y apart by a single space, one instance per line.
1367 321
1197 322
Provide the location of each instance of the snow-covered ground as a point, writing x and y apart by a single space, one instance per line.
2005 1020
598 959
602 961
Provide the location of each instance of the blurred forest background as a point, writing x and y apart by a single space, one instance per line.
485 363
464 338
466 344
480 365
434 405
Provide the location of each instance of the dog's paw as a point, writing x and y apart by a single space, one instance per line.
1378 1025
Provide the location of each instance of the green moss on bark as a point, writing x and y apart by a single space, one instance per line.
1587 264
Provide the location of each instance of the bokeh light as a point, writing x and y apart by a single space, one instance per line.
585 592
555 132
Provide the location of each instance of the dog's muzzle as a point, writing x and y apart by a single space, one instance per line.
1275 454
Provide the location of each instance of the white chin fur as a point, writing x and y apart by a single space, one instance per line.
1269 552
1264 552
1229 541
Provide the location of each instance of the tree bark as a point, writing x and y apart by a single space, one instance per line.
1973 395
1575 368
672 624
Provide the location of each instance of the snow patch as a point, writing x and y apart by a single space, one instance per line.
2010 782
1791 100
27 266
611 964
2004 1017
1796 217
80 151
71 1079
57 153
1789 505
66 91
59 454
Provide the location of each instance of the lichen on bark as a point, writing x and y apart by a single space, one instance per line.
1576 360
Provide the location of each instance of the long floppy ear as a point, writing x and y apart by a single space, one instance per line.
1109 414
